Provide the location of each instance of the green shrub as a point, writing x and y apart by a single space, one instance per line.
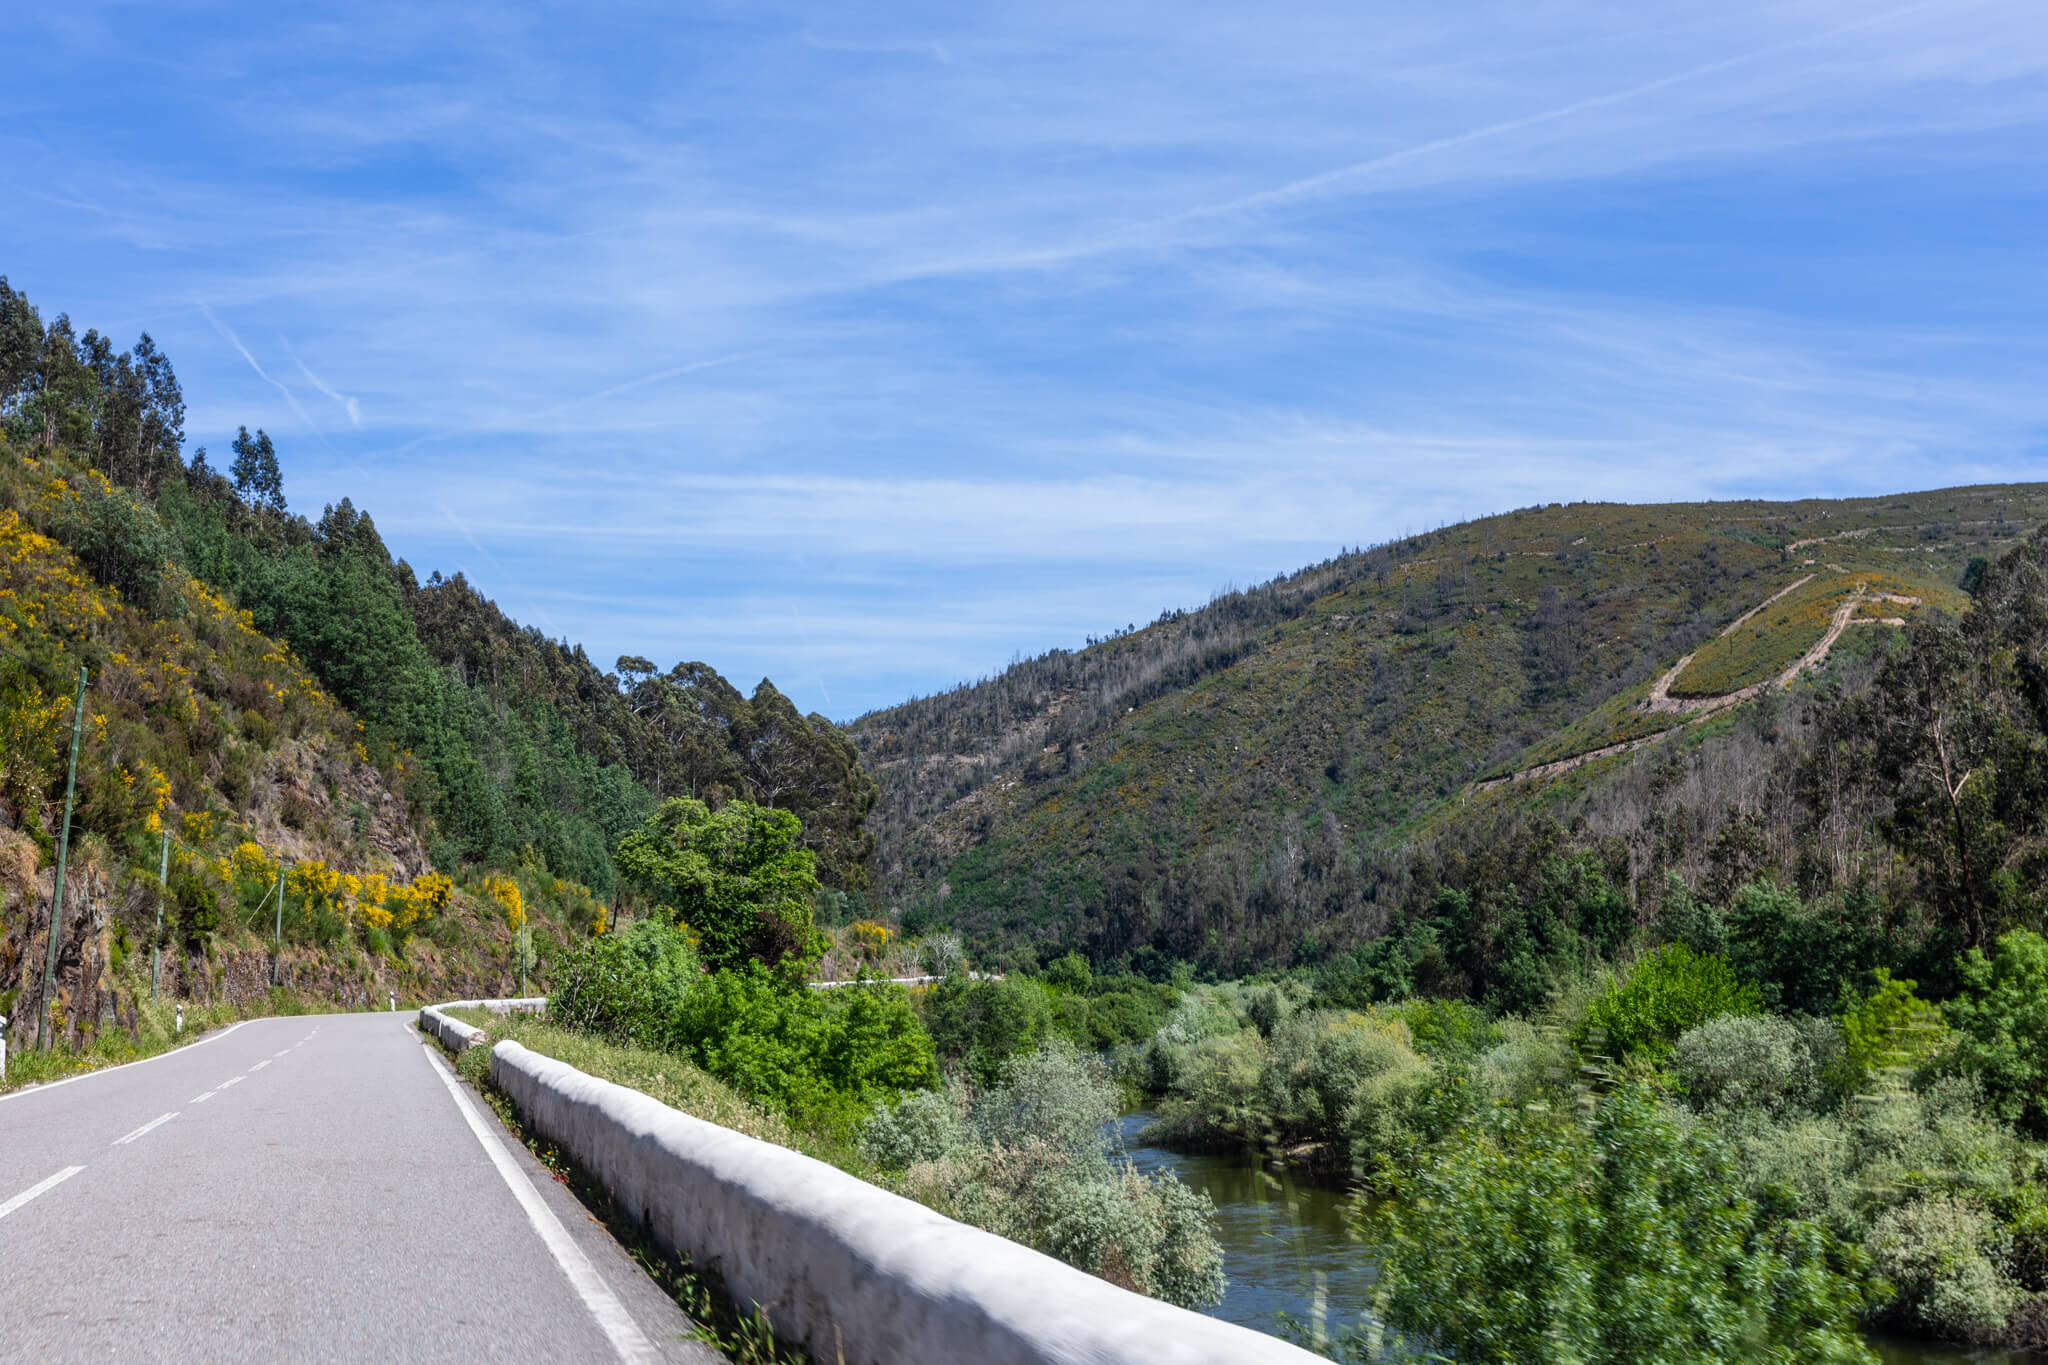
1529 1065
1447 1028
1220 1093
1666 993
978 1026
740 876
925 1125
2001 1022
1945 1258
818 1059
1623 1237
1739 1061
1889 1032
1039 1169
1266 1007
1323 1061
626 987
1055 1097
1116 1017
1200 1014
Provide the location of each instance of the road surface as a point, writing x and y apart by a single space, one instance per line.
310 1188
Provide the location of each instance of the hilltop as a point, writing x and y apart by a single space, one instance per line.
1234 784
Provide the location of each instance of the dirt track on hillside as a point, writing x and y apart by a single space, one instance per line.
1661 702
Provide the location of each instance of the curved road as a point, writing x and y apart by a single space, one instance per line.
310 1188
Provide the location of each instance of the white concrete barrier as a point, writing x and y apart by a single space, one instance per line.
864 1276
459 1037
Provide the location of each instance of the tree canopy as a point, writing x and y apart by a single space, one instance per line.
739 876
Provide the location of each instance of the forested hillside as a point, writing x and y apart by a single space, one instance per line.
1303 766
275 691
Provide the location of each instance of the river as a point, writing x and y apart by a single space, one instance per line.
1283 1237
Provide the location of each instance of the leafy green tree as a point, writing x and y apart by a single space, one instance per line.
258 480
980 1025
2001 1022
739 876
1623 1238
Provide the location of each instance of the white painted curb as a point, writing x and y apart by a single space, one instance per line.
864 1276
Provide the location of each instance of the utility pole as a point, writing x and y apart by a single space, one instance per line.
277 940
163 887
43 1038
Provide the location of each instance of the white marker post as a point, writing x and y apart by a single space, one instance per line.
181 1018
394 1002
3 1049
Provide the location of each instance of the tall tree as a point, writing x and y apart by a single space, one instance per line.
258 480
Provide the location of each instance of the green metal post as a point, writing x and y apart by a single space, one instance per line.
163 887
63 862
277 941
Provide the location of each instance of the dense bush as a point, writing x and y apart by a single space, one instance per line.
821 1056
978 1026
627 987
1763 1061
1664 994
1625 1237
925 1125
1032 1159
2001 1022
739 876
1945 1258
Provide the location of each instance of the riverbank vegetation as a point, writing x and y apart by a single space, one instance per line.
1653 1165
1018 1145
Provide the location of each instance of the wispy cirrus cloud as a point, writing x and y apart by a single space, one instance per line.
864 353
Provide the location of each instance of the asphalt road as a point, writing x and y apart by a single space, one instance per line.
305 1189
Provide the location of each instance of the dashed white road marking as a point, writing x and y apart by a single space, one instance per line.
24 1093
259 1066
201 1099
232 1080
625 1335
156 1122
41 1188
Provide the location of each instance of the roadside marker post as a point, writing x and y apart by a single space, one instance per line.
277 940
3 1049
181 1018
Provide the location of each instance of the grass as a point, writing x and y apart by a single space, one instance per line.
664 1076
1769 642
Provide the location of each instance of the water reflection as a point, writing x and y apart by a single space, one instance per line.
1282 1238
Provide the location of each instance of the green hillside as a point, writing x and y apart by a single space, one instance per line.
1226 784
283 699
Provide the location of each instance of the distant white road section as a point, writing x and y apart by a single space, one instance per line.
301 1189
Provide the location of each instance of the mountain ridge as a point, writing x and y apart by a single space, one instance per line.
1356 702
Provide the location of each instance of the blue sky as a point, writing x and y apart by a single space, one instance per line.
866 347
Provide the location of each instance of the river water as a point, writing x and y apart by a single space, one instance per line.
1285 1240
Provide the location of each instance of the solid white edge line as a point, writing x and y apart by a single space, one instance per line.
32 1191
617 1324
156 1122
26 1091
